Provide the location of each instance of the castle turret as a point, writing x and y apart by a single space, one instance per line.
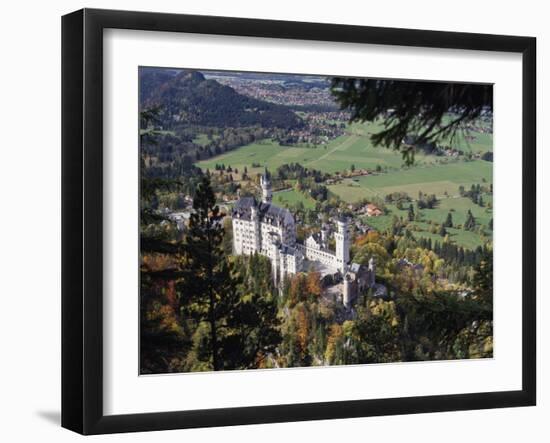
265 181
372 272
342 245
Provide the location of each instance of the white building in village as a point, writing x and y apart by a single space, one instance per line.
269 230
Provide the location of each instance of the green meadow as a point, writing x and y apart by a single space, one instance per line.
291 198
353 148
458 208
336 156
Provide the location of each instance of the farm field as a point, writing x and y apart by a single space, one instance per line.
355 147
266 153
436 179
478 142
481 143
336 156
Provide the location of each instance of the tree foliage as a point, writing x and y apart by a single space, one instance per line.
426 112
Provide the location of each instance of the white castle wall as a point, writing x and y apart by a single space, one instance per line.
244 237
315 254
250 236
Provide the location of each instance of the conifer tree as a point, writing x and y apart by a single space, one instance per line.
449 221
209 277
411 213
235 300
470 222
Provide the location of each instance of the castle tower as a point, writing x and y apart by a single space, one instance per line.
255 219
324 235
372 272
342 245
265 181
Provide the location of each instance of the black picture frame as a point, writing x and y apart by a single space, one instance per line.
82 218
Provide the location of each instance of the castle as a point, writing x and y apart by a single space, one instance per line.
263 228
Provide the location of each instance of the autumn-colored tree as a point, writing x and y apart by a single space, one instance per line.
302 329
314 284
372 250
163 342
297 289
335 345
369 237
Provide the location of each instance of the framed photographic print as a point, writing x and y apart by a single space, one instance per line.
270 221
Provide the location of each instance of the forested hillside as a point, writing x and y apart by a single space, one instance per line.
190 99
196 118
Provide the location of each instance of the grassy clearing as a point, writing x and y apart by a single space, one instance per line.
458 207
291 198
156 131
381 223
466 239
203 140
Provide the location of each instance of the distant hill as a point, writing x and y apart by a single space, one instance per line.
150 79
187 98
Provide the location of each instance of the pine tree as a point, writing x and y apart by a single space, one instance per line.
470 222
209 278
411 213
483 277
449 221
235 300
